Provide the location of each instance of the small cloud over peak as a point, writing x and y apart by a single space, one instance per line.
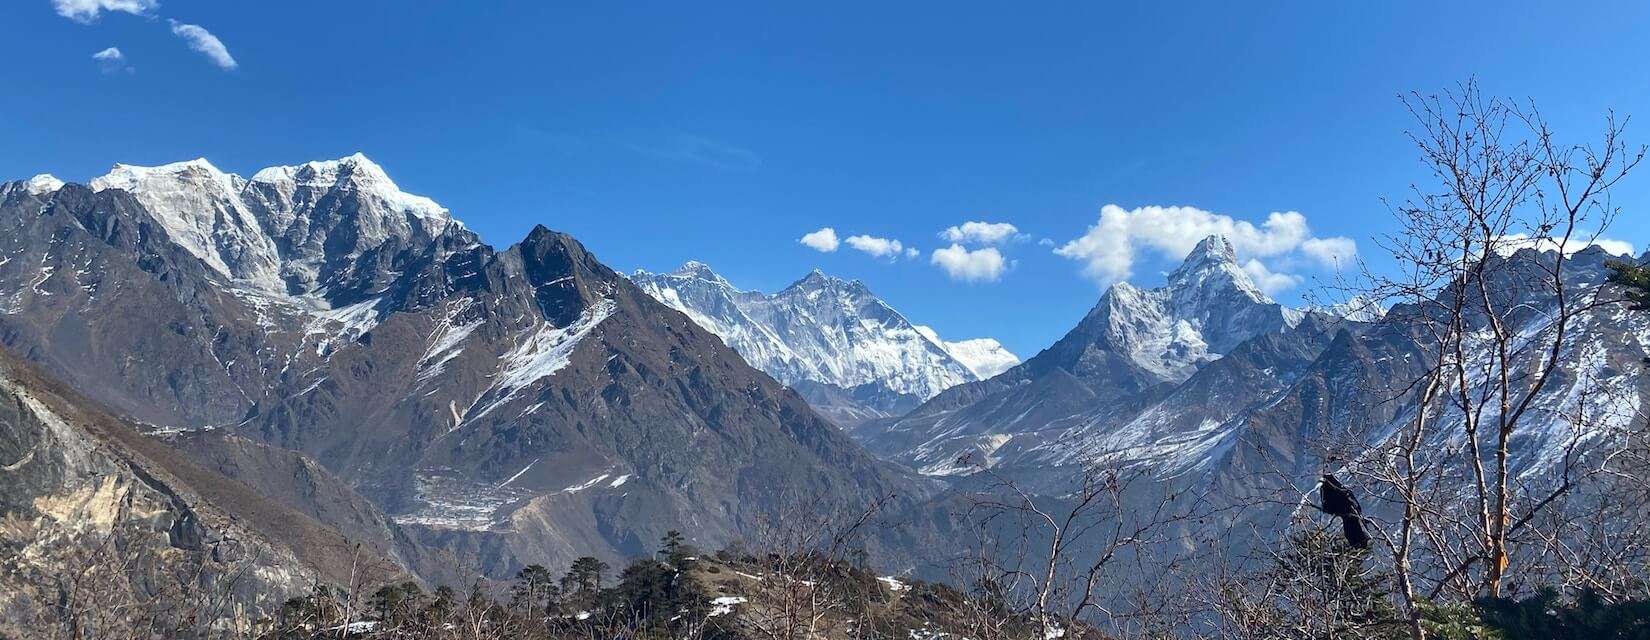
1109 249
978 265
880 247
824 240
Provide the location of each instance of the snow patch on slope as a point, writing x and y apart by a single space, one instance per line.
542 352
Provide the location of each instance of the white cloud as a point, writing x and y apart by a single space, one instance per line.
912 252
204 42
980 232
1108 249
878 247
86 11
111 60
979 265
823 240
1269 281
1515 241
1335 253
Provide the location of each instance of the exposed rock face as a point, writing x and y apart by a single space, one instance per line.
100 522
517 406
854 357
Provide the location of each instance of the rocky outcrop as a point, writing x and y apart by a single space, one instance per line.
104 530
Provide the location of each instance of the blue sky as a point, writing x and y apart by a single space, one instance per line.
662 132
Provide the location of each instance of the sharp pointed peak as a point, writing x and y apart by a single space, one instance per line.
694 268
1215 247
816 278
1212 254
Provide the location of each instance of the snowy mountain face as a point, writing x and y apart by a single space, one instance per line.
828 331
515 406
291 233
1207 307
1134 344
984 356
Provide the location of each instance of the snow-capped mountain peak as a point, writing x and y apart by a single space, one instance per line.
698 270
824 329
290 232
358 173
1207 306
43 183
984 356
818 280
1212 269
200 208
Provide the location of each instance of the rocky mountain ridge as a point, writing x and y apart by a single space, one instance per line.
516 406
849 352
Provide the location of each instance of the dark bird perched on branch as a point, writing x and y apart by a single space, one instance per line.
1338 501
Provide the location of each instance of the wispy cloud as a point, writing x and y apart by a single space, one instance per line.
979 265
204 42
682 148
980 232
87 11
824 240
111 60
700 150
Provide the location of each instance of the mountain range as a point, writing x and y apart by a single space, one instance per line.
312 358
516 406
851 354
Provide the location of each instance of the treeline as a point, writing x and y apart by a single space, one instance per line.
649 598
1316 587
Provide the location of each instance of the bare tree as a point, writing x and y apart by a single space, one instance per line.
1491 332
1049 558
802 549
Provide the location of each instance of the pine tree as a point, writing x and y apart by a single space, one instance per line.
1635 279
670 547
583 582
1319 587
535 592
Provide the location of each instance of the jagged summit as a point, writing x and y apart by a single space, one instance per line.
1207 306
825 329
694 268
1215 249
290 231
817 282
524 404
1212 269
697 270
